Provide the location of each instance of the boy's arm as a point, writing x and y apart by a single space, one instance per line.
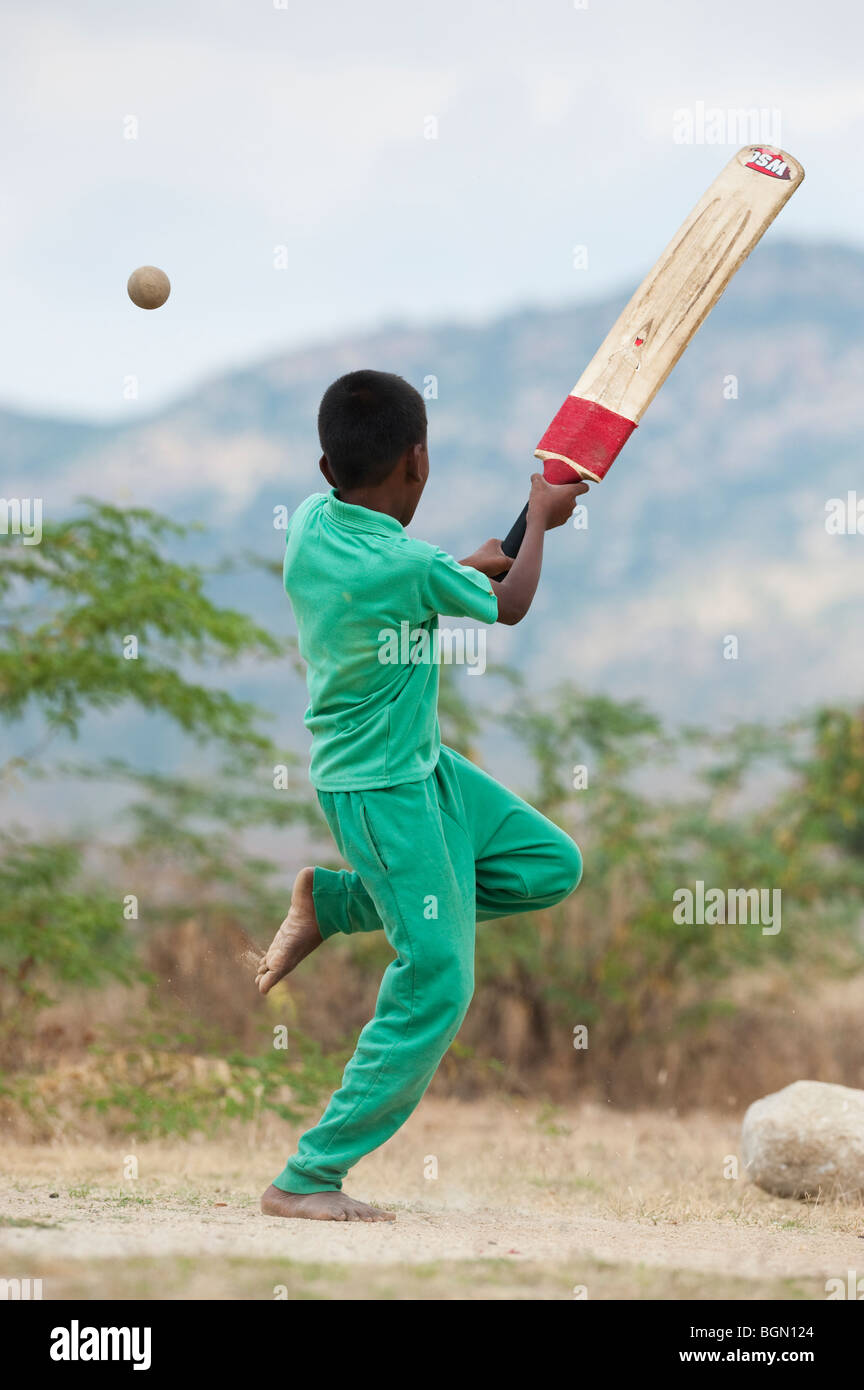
550 505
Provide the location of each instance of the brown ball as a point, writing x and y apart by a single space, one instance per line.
148 287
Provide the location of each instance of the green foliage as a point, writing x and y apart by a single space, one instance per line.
831 804
69 605
193 833
567 727
95 579
152 1093
156 1098
615 953
54 923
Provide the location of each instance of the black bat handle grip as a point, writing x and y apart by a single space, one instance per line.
512 541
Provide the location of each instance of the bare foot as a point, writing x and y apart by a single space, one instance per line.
319 1206
296 938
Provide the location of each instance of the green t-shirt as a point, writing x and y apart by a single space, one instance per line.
364 594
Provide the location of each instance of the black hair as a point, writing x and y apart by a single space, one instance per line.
366 421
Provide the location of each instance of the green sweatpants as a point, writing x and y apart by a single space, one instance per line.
430 859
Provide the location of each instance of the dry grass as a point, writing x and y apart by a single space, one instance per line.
529 1203
779 1027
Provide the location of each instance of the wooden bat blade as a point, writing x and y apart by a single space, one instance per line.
650 334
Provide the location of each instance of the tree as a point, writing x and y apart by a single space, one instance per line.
101 586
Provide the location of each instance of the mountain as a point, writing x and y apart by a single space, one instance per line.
711 523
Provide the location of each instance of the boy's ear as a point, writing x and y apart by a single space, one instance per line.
417 463
327 471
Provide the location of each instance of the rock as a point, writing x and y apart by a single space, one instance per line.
806 1140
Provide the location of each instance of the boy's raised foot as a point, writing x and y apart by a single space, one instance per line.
319 1206
297 937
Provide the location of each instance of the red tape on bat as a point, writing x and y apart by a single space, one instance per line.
588 435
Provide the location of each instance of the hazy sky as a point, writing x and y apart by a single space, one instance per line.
304 126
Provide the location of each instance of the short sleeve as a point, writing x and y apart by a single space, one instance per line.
459 591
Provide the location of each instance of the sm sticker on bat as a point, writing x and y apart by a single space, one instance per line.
767 162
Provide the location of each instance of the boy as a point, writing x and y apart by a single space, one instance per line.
434 843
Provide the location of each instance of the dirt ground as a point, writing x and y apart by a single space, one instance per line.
494 1200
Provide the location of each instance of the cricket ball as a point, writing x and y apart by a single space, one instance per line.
148 287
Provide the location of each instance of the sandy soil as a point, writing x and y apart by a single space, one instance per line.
527 1203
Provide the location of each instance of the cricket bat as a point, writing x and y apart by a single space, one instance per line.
645 342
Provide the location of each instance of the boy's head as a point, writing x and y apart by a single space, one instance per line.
372 427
